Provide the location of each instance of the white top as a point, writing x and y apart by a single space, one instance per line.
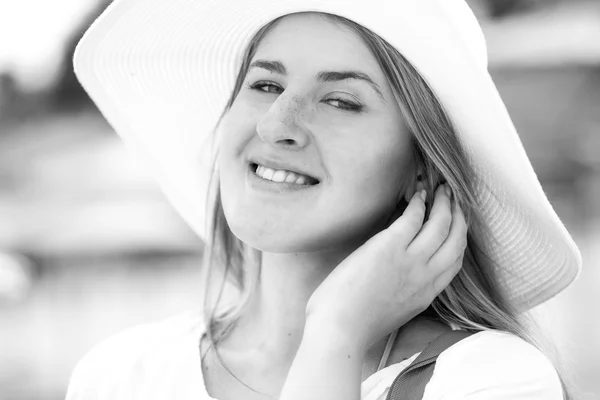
161 360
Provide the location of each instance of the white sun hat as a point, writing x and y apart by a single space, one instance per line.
161 72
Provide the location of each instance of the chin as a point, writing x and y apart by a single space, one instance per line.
275 240
279 238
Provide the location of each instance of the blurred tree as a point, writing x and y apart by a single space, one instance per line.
8 93
502 8
17 105
68 93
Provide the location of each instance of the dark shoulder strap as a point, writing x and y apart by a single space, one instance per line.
410 383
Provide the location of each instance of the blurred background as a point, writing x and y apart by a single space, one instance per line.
89 246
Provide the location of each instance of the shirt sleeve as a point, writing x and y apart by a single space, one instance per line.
490 365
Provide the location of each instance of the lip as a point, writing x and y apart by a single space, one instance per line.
279 164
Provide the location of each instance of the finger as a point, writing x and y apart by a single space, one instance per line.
408 225
436 229
455 244
442 281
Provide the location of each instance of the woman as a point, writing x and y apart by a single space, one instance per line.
368 193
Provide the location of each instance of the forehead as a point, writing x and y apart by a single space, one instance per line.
309 41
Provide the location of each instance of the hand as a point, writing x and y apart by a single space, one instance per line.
396 274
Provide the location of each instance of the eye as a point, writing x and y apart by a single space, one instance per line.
273 88
347 105
260 86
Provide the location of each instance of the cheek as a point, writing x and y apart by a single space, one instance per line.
374 169
234 130
373 186
369 187
233 134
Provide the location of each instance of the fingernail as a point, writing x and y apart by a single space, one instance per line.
423 194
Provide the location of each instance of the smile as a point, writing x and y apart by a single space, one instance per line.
282 176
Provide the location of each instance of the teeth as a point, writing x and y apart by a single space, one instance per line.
280 175
291 177
268 174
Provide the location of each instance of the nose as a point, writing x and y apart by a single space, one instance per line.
283 123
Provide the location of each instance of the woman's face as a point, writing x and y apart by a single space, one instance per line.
299 110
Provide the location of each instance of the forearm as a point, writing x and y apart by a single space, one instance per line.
327 366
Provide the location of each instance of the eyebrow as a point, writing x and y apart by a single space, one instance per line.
322 76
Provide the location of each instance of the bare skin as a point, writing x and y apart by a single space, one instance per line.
293 341
412 338
338 358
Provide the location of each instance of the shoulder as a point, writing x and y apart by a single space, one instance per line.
131 353
488 365
494 365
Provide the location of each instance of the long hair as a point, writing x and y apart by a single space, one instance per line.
473 301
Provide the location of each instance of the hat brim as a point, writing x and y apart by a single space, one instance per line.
161 73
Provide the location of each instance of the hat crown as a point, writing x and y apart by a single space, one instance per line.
460 21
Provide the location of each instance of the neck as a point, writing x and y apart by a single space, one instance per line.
273 323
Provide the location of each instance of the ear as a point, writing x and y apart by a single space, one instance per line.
417 185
